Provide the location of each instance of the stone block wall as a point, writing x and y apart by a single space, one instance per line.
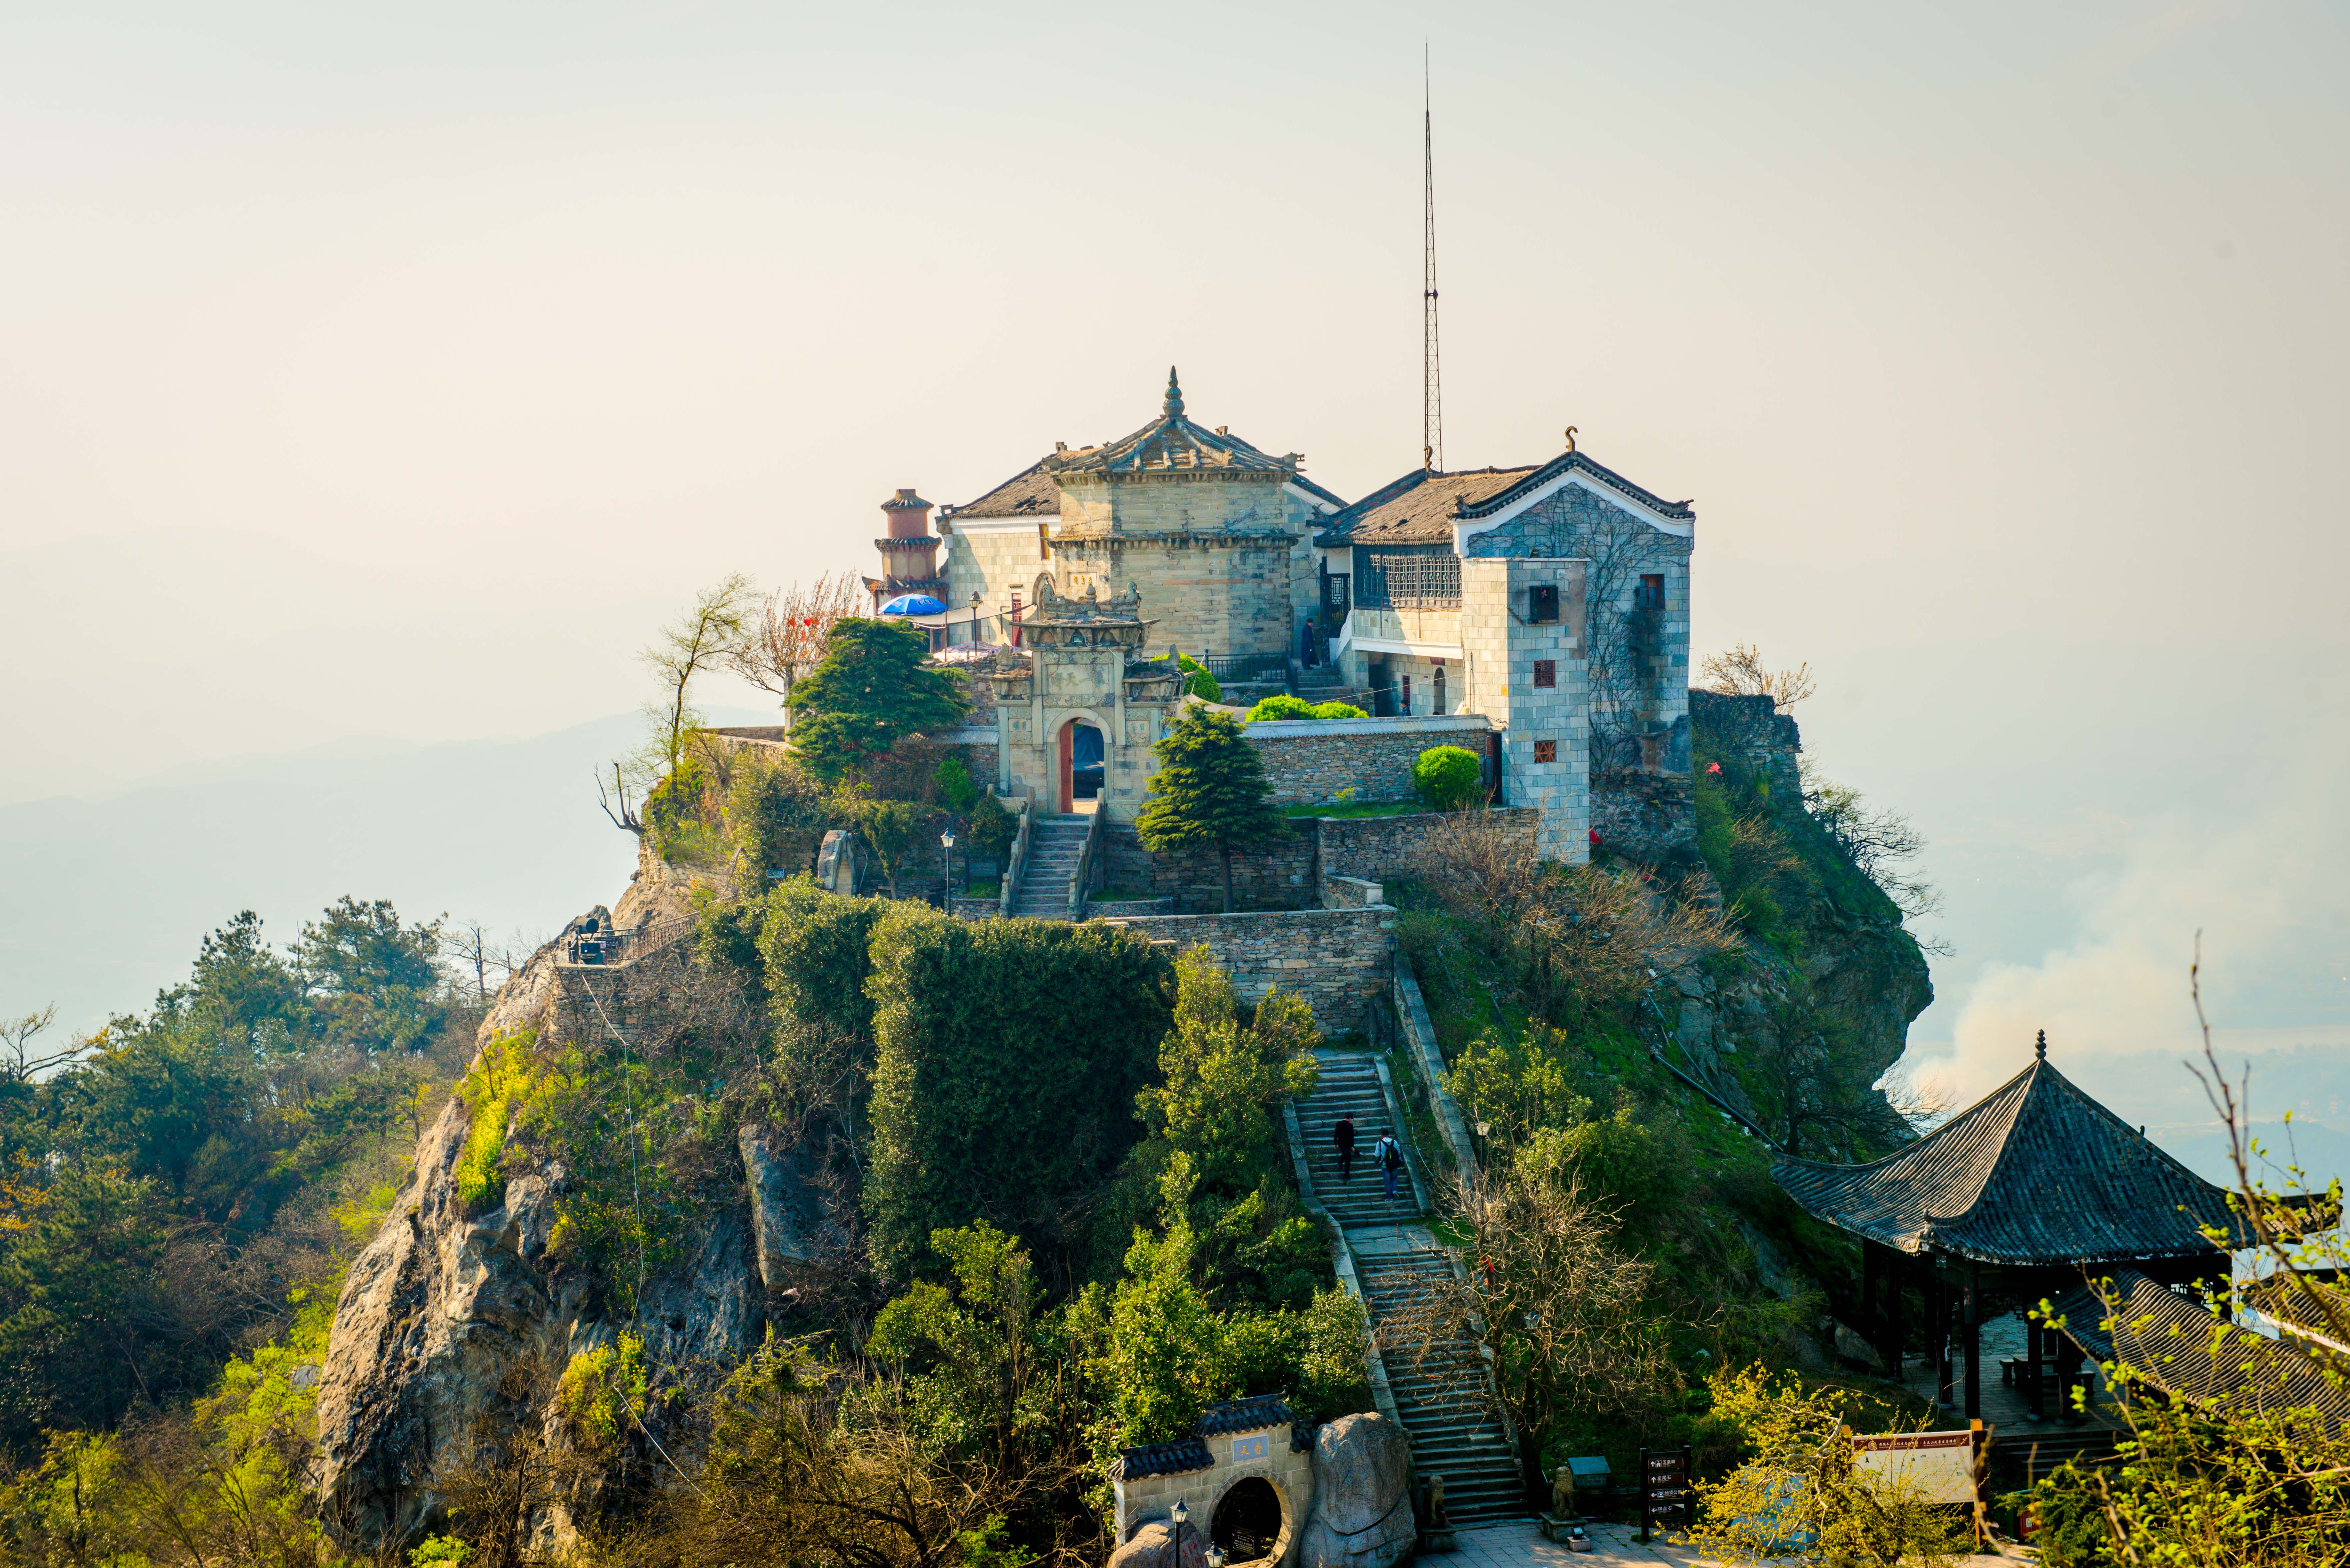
1643 817
1351 893
1340 960
1279 876
1379 847
995 557
1289 1473
1308 760
1754 729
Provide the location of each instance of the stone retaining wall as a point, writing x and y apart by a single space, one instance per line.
1379 847
1340 960
1647 817
1308 760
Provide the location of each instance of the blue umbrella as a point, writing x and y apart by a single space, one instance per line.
913 604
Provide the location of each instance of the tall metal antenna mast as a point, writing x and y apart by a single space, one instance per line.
1432 394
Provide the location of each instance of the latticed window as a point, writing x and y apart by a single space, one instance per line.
1408 576
1545 750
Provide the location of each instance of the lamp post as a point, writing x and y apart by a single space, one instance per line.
1179 1513
974 616
946 842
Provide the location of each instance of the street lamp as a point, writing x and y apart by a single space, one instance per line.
1179 1513
946 842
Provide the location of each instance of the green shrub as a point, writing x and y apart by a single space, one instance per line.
956 787
1282 705
497 1087
1449 778
604 1393
1202 684
1007 1054
776 814
815 944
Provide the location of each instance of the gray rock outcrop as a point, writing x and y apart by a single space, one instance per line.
1153 1546
1362 1516
450 1316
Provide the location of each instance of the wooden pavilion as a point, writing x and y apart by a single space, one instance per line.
2020 1197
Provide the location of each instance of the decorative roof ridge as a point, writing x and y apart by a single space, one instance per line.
1572 461
1910 1150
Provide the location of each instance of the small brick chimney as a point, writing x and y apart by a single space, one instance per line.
910 552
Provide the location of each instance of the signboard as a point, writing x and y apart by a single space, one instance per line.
1665 1496
1256 1446
1940 1465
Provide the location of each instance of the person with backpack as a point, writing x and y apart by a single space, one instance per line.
1343 1135
1390 1156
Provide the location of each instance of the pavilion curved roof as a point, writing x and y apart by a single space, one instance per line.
2036 1173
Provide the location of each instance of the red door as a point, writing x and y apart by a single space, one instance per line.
1068 786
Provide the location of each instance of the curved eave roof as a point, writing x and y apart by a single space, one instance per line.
1170 443
2036 1173
1422 507
2179 1345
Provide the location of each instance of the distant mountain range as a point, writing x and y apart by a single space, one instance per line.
111 895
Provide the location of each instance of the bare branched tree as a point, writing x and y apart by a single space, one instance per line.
1879 843
1740 673
709 633
1564 1314
23 1058
1586 934
1625 657
788 638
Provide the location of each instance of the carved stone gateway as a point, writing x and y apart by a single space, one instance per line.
1082 666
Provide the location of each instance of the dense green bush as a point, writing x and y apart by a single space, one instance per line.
1202 684
1007 1057
776 814
816 947
1282 705
1449 778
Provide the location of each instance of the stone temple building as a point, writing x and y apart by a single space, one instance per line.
1549 600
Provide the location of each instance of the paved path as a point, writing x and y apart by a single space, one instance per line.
1522 1545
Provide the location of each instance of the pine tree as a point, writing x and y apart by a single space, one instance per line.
873 690
1210 789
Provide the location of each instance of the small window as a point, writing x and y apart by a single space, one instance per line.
1545 750
1542 604
1406 696
1545 672
1652 591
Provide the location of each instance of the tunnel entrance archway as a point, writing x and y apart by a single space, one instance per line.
1248 1523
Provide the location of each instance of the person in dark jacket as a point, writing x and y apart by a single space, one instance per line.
1389 1156
1343 1135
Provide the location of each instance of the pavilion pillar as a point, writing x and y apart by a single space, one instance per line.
1872 1282
2033 1336
1938 1304
1974 1339
1890 1348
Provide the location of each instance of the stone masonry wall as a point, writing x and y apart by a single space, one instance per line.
1379 847
1278 878
1309 761
1648 818
1340 960
1546 746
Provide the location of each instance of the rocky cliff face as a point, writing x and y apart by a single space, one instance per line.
450 1319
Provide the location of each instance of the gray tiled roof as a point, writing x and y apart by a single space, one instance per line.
1175 1458
1421 507
1168 443
2168 1338
2036 1173
1244 1416
1030 492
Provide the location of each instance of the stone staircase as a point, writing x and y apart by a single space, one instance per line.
1453 1432
1054 845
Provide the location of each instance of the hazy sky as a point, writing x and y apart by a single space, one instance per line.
391 373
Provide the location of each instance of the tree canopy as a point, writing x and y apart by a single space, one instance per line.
874 688
1210 793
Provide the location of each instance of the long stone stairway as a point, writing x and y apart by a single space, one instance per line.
1054 846
1454 1432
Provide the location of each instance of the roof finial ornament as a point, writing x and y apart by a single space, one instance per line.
2040 1047
1570 437
1174 405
